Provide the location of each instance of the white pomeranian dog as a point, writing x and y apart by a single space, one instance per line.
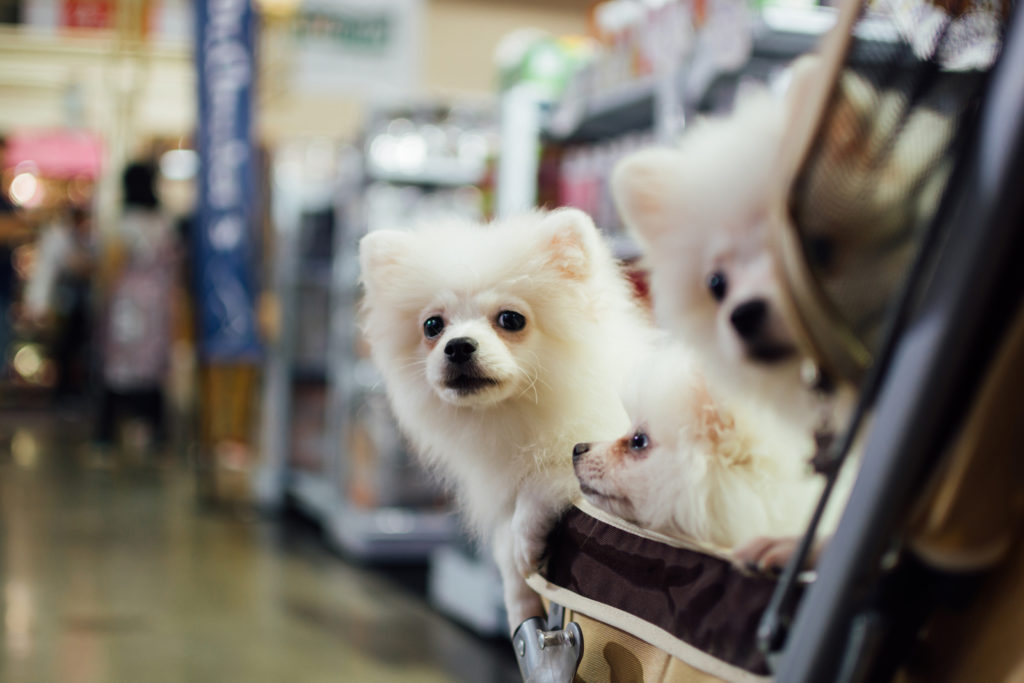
701 214
502 346
694 468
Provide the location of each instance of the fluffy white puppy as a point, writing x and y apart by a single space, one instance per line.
693 467
501 346
701 213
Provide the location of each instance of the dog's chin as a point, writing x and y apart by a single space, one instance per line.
768 351
471 390
615 504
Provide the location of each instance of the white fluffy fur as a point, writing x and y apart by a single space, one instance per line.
506 449
719 474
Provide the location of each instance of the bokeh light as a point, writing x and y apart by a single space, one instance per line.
25 189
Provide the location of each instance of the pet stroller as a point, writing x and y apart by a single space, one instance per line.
900 246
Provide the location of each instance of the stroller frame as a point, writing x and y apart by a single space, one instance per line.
842 631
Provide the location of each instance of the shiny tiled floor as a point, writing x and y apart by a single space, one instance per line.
115 574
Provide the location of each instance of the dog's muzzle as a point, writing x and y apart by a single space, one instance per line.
750 320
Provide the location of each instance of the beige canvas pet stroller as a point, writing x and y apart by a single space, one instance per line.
900 244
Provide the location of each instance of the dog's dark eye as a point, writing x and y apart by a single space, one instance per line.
433 326
511 321
717 285
639 442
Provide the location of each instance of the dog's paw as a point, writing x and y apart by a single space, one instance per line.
529 543
529 556
771 554
766 554
530 528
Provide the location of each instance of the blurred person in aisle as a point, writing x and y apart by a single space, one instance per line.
57 295
176 193
137 277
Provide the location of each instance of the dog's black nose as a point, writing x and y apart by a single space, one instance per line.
749 317
460 350
578 450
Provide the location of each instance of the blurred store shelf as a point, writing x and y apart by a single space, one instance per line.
627 107
439 172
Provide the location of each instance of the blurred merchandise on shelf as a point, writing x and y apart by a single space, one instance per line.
308 426
164 19
580 177
637 38
661 62
387 204
312 305
546 63
437 150
383 473
640 48
658 67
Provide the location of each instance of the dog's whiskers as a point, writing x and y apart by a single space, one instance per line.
536 377
531 386
418 362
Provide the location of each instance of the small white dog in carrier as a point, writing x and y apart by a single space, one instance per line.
701 213
694 468
501 346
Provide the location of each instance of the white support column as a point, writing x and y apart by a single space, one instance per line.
517 159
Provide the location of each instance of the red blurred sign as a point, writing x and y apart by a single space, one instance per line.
87 13
56 153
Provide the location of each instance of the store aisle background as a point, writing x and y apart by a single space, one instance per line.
111 571
114 571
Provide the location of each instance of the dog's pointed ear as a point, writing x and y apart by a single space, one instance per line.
642 187
380 253
569 240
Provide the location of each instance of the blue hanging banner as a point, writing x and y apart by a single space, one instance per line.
227 202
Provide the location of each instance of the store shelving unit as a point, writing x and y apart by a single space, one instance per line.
363 487
630 106
777 35
300 275
436 174
463 583
390 529
318 219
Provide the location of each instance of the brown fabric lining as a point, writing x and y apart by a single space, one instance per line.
702 600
